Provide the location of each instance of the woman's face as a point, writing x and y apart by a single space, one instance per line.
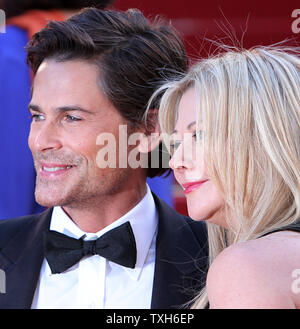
204 201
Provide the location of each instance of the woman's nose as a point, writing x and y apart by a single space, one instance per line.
182 158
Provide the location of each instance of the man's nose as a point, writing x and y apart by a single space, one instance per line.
45 137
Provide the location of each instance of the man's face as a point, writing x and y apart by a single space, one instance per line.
69 111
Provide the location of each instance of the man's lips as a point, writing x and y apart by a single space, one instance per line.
191 186
54 169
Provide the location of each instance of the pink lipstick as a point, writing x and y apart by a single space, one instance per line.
191 186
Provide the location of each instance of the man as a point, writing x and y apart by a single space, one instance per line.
105 241
23 19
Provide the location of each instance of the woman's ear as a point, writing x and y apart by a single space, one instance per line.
150 139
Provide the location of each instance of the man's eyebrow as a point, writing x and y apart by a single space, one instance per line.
73 108
36 108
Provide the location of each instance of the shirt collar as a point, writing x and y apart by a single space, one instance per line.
143 219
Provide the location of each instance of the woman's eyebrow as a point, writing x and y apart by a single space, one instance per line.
189 126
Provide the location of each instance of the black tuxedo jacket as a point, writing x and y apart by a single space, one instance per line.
180 266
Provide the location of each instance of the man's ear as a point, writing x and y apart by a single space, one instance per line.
150 139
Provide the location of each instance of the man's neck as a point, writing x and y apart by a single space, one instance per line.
106 210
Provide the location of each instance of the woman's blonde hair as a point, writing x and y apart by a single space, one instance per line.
249 102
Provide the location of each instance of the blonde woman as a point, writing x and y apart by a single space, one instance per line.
235 127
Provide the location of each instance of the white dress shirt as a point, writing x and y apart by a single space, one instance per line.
95 282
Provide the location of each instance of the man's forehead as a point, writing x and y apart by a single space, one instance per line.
72 73
56 63
67 83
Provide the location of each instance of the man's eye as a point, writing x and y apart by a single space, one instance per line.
72 118
36 117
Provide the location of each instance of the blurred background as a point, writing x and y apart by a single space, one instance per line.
200 23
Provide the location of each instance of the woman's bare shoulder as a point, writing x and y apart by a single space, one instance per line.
256 273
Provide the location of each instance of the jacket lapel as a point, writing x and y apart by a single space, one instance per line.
181 258
180 262
21 260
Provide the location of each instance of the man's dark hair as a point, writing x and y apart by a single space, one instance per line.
134 57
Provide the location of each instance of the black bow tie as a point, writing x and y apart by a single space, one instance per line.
117 245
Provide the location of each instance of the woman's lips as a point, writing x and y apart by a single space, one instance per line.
191 186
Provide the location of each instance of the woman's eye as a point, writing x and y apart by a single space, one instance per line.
174 146
198 135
